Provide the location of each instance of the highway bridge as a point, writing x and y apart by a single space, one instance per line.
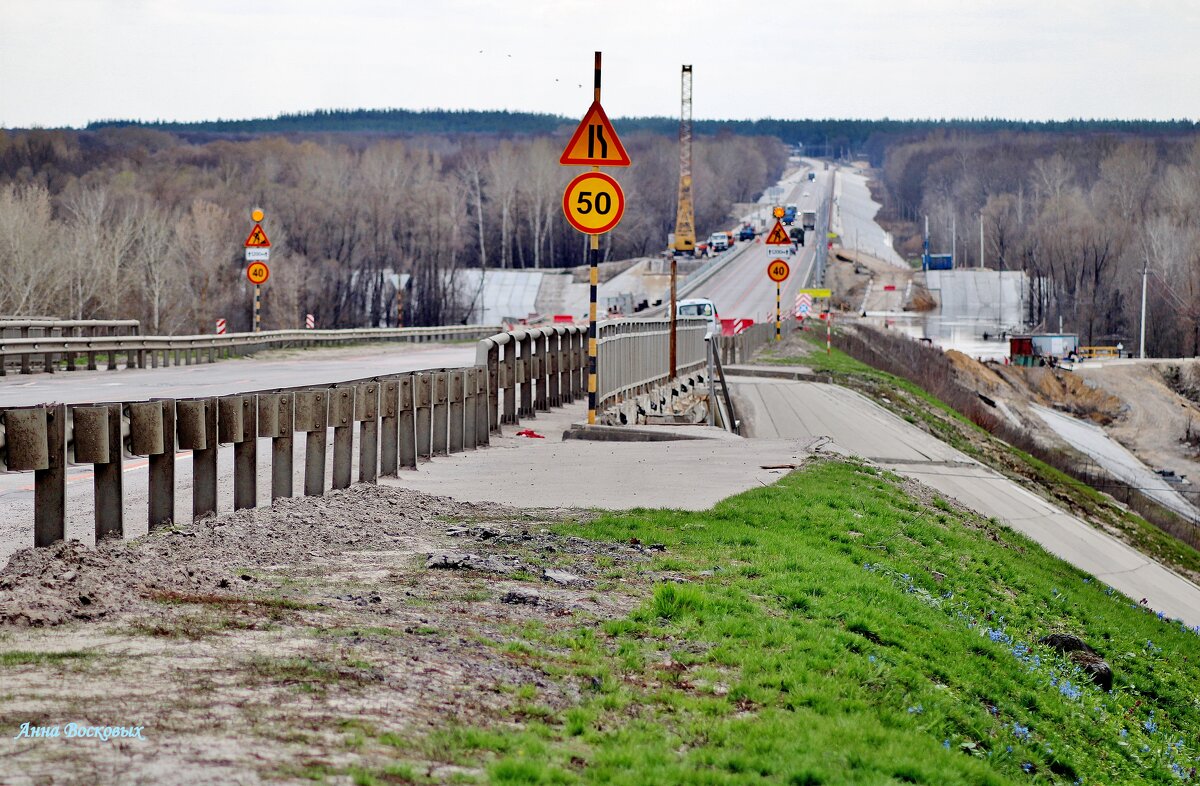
211 437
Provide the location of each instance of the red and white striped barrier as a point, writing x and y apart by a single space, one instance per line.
220 327
310 321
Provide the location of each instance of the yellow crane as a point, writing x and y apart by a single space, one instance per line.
685 222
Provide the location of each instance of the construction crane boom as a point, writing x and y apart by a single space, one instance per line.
685 222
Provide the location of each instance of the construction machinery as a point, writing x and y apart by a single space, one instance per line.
685 222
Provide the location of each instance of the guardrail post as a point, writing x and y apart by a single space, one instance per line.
457 411
508 381
423 389
275 421
68 357
245 458
389 400
197 427
152 433
580 363
25 355
312 416
553 391
441 413
541 370
341 412
36 440
97 439
406 420
470 406
491 384
485 408
525 376
366 412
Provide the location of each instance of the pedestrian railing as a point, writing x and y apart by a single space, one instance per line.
390 423
57 351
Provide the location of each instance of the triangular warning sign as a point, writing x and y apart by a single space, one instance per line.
595 143
778 236
258 238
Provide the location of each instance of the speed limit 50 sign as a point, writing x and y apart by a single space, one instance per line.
593 203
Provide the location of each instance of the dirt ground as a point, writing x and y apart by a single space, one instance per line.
859 282
272 644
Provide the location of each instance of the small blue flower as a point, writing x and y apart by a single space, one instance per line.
916 710
871 658
1124 733
946 744
1069 690
1150 726
1020 732
1027 766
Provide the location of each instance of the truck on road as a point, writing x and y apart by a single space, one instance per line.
808 219
789 214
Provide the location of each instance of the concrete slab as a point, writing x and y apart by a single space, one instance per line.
778 409
550 472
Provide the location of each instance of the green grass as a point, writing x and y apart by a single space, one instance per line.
953 428
15 658
851 635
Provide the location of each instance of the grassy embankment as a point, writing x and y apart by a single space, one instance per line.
833 629
919 407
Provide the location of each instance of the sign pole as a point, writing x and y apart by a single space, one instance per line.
778 321
828 332
257 308
594 281
673 303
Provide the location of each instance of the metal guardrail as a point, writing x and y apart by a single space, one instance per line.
49 327
400 420
152 351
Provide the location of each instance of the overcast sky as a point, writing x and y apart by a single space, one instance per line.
66 62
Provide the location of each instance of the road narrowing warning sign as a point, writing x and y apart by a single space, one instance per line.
595 142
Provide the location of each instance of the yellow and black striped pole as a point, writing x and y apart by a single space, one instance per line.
594 281
257 308
778 321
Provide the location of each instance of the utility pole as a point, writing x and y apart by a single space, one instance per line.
1142 342
954 239
925 253
685 228
981 239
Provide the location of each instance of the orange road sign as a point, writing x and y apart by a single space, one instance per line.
778 212
258 273
778 270
593 203
778 236
258 238
595 142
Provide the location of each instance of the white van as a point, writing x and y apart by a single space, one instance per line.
718 241
700 307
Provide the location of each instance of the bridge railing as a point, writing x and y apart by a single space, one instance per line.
384 423
741 348
13 328
152 351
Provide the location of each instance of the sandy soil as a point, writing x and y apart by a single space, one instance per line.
261 645
1154 419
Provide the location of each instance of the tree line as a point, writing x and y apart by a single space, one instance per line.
130 221
820 136
1082 215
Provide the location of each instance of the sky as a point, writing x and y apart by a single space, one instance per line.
68 62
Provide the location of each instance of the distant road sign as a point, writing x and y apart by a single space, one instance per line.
778 236
778 211
595 142
817 292
258 273
778 270
220 327
258 254
593 203
310 321
256 215
258 238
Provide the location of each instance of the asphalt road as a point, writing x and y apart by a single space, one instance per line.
778 409
854 218
741 289
276 369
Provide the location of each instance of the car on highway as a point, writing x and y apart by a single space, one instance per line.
812 176
718 241
746 232
700 307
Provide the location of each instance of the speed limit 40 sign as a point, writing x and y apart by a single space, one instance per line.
778 270
593 203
